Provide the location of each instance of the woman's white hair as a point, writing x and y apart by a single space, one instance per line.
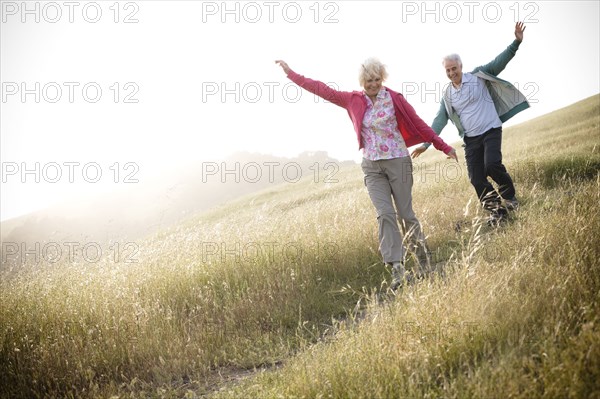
452 57
371 68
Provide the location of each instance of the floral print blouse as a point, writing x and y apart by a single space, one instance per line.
380 134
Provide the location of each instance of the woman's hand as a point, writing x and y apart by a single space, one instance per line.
452 155
284 66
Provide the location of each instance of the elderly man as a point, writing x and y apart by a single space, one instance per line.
477 103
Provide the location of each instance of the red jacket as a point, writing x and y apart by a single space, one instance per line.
411 126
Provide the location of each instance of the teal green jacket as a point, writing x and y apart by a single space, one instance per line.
507 99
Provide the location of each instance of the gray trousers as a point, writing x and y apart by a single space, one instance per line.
389 182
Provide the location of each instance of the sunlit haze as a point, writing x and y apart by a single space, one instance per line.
104 96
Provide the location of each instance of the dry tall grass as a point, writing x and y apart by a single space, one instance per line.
266 280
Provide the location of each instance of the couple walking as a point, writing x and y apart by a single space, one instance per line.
386 125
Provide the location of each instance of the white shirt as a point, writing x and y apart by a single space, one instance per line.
473 104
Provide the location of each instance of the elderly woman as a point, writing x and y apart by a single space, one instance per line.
385 125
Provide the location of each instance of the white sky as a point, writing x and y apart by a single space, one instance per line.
177 56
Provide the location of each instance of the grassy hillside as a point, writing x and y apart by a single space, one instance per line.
289 282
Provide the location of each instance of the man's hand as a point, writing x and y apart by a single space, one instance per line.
418 151
519 29
284 66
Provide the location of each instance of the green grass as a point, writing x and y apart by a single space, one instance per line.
289 282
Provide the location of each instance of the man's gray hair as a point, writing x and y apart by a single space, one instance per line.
452 57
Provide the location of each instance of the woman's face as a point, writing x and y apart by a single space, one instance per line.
373 85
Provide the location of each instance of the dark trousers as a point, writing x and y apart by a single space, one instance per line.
484 159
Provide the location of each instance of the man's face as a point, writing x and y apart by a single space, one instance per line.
453 71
